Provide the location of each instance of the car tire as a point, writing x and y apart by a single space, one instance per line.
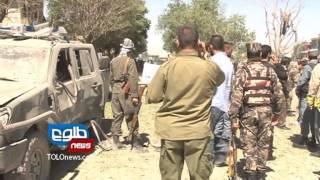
36 164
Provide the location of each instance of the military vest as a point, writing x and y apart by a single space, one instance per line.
258 87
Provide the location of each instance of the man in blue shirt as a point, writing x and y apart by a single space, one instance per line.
306 115
221 126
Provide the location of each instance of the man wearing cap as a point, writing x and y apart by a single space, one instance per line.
256 97
306 116
123 74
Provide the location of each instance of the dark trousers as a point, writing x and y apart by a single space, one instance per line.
196 153
302 108
308 123
221 129
317 125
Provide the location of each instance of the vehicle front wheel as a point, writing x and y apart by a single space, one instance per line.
36 165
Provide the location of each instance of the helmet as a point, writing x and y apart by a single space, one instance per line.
253 50
127 44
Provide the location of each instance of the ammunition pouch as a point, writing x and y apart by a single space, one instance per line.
258 88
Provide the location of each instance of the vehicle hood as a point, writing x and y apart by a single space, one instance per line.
10 90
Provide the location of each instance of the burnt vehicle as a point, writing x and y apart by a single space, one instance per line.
302 50
42 82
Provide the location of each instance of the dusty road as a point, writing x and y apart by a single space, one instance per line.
290 163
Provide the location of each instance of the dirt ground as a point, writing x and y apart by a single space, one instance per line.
290 163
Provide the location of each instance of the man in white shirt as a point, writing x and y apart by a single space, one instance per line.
221 126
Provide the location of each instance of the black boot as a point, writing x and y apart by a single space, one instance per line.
261 176
313 141
317 152
252 175
137 146
302 144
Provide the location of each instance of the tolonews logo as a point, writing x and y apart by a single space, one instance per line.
73 136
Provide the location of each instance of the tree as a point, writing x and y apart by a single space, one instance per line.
31 9
208 17
103 22
281 18
3 9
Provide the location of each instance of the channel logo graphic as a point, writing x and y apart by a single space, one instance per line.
81 145
73 136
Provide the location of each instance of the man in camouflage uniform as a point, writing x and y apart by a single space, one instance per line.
123 70
266 55
257 96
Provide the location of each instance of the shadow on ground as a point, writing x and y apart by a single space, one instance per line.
295 140
240 169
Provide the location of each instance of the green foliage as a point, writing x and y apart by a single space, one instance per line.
208 17
105 23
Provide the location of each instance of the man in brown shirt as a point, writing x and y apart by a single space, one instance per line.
123 69
186 86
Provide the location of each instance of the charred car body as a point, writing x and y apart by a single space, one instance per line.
42 82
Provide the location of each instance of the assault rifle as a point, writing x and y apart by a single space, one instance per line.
134 119
232 157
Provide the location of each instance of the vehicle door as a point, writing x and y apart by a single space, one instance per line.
91 84
65 86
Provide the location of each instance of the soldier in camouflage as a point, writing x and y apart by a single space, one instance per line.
257 96
266 55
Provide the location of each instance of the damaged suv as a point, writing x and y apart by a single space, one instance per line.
42 82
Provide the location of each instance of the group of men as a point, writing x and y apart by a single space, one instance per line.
202 97
307 90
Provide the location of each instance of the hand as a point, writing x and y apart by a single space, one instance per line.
235 126
274 59
135 101
310 106
202 45
143 85
275 120
310 102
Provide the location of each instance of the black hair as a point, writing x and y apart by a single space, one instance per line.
226 43
302 62
265 51
187 36
217 42
312 56
285 61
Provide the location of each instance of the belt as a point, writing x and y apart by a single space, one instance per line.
257 105
118 81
